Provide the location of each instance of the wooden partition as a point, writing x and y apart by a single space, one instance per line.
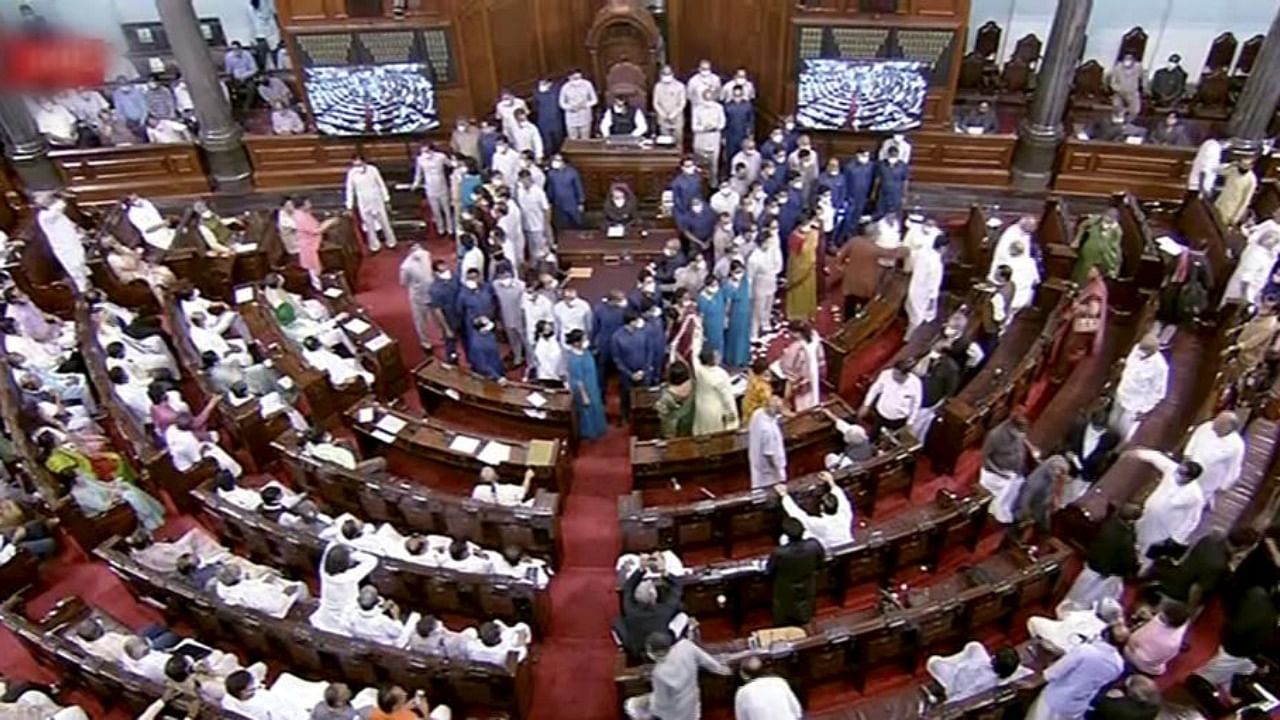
938 156
1202 229
300 161
101 175
1100 168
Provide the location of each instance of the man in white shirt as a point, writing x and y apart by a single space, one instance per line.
467 559
833 525
669 102
431 173
535 214
208 335
766 445
342 570
1026 276
491 491
1219 448
99 642
367 195
57 123
1254 268
701 82
495 640
622 120
286 121
526 136
64 237
431 637
340 370
764 697
1143 384
506 162
1173 510
144 216
925 286
571 313
187 449
973 670
164 131
708 121
894 397
416 277
379 621
740 80
577 98
506 109
270 595
1022 231
132 394
1205 167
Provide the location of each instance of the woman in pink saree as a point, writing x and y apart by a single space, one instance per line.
310 233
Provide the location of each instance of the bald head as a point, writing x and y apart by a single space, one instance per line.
751 668
1226 423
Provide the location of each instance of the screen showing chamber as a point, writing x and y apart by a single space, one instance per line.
372 99
867 95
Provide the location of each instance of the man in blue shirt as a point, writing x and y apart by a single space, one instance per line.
131 103
859 176
687 185
488 144
564 190
443 303
483 354
609 315
475 300
241 66
696 226
629 348
740 121
549 116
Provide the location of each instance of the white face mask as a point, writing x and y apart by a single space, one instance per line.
648 287
472 284
669 252
557 164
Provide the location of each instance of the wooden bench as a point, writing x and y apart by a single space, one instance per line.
861 330
376 349
306 649
440 385
439 442
591 247
414 507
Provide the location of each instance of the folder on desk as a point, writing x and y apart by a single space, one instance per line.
616 231
542 453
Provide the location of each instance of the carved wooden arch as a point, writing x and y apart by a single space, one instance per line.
624 32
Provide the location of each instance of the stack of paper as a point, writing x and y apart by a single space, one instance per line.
616 231
246 247
376 343
383 437
535 414
536 399
356 326
244 295
333 293
391 424
365 415
465 445
494 453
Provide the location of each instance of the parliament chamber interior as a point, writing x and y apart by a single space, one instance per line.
648 359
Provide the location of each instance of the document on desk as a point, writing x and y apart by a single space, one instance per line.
333 293
365 415
616 231
244 295
390 424
383 437
377 343
464 444
536 399
356 326
535 414
243 248
452 394
494 453
542 453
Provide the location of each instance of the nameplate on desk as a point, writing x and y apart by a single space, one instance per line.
541 452
378 343
616 231
244 248
611 260
356 326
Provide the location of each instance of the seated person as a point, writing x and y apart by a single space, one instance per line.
1171 131
491 491
833 525
286 121
220 236
621 120
431 637
27 701
142 364
271 595
248 697
162 130
858 447
192 666
494 640
92 635
323 446
378 620
33 536
393 703
340 370
188 446
247 498
648 606
95 497
1074 625
35 323
132 393
1115 128
463 557
973 670
164 557
56 123
1157 642
978 121
210 335
513 562
620 207
144 216
274 290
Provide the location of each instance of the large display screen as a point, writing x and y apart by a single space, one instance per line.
866 95
372 99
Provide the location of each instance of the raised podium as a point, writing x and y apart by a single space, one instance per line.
646 167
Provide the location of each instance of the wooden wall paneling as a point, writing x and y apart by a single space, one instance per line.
297 161
302 10
513 43
939 8
562 27
101 175
1148 171
771 71
939 156
473 35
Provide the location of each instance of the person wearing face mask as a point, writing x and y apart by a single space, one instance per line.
159 100
505 110
748 157
622 120
431 172
771 179
475 300
833 183
535 307
483 354
505 161
713 309
740 120
1169 83
584 383
511 240
577 98
547 363
722 237
669 102
700 82
776 141
416 276
631 357
655 328
696 227
527 138
791 212
646 289
368 197
802 270
735 251
465 140
709 121
737 294
892 175
1098 240
509 292
549 114
899 141
564 188
535 214
620 208
606 317
571 313
763 267
672 259
442 304
1126 81
687 185
487 143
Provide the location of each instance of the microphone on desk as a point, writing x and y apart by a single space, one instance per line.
675 485
710 495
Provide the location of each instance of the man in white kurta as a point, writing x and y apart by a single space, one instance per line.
416 277
1172 511
340 585
832 526
1022 231
669 102
270 595
1143 384
925 285
65 240
506 162
506 109
339 369
431 173
701 82
1205 167
1219 449
144 216
676 694
972 671
367 195
764 697
526 137
763 267
715 408
708 125
186 449
577 98
766 447
1026 276
535 214
1253 270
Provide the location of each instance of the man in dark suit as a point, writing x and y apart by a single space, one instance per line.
1091 444
793 567
648 606
1140 700
1110 557
1204 568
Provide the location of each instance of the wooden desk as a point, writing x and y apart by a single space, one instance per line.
105 175
656 461
432 440
376 349
439 383
412 506
591 247
1090 167
858 331
751 513
648 170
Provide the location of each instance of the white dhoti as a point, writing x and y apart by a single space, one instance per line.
1124 420
1004 491
374 219
761 311
922 421
1090 588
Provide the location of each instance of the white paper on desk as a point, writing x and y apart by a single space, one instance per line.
536 399
356 326
383 437
452 394
535 414
665 140
1170 246
1133 139
332 292
246 247
615 231
464 444
244 295
494 453
974 129
365 415
390 424
378 343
